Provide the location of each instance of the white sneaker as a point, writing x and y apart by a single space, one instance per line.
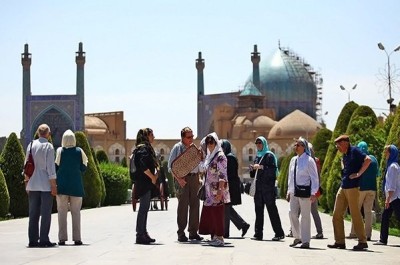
217 243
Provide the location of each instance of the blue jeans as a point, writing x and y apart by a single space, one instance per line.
141 221
387 213
40 205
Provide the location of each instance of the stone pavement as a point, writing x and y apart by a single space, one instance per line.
108 234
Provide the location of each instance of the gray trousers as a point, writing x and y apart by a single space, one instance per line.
65 202
40 206
188 203
141 221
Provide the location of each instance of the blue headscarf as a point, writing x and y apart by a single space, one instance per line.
393 155
265 149
363 147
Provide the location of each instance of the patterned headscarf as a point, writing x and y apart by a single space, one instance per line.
142 140
305 144
210 156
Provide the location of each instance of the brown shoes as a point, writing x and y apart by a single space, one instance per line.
360 246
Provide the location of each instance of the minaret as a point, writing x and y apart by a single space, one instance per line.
26 61
80 87
200 93
255 59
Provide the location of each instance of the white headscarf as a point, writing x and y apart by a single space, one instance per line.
217 148
68 139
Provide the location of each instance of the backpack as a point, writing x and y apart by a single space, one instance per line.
132 166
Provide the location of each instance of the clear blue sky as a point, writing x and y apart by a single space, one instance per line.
140 55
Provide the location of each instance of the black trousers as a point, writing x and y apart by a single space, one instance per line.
273 213
232 215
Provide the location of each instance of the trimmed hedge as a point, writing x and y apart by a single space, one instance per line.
116 180
4 196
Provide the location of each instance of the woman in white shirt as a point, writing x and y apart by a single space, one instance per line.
391 185
302 173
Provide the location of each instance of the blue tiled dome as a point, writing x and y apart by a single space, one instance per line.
287 82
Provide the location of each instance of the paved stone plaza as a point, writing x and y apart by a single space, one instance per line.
108 235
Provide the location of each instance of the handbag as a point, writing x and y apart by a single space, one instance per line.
201 194
29 166
302 191
252 190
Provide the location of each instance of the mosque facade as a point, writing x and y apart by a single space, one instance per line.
281 100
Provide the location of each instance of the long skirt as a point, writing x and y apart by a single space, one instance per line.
212 220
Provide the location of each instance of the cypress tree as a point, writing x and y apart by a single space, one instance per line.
4 196
91 177
12 164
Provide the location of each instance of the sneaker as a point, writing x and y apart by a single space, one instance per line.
295 242
305 245
337 245
244 229
278 238
360 246
319 236
217 243
182 238
196 237
380 243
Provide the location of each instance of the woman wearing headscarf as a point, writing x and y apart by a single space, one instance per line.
302 172
146 167
391 186
234 192
216 189
71 162
265 169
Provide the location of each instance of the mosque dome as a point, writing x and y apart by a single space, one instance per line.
94 125
288 83
264 121
294 125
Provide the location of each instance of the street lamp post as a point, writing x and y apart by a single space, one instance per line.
348 91
389 77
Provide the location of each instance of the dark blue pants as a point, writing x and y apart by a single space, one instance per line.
40 206
232 215
141 221
387 213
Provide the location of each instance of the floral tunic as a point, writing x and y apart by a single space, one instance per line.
216 171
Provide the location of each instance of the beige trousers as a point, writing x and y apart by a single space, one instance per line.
347 198
74 204
366 200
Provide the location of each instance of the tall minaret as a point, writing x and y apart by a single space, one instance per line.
200 93
255 59
26 61
80 86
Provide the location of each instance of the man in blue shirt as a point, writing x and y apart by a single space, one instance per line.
367 191
354 163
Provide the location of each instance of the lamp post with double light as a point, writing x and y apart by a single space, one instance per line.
348 91
389 76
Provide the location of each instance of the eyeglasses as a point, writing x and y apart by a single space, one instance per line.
258 142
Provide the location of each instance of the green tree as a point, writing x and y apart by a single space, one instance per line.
283 175
4 196
117 180
12 163
340 128
91 178
102 157
103 186
124 163
320 144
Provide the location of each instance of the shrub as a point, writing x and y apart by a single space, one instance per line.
116 180
103 187
12 164
283 175
91 177
102 157
4 196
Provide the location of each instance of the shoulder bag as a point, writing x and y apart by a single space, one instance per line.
29 166
302 191
252 190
